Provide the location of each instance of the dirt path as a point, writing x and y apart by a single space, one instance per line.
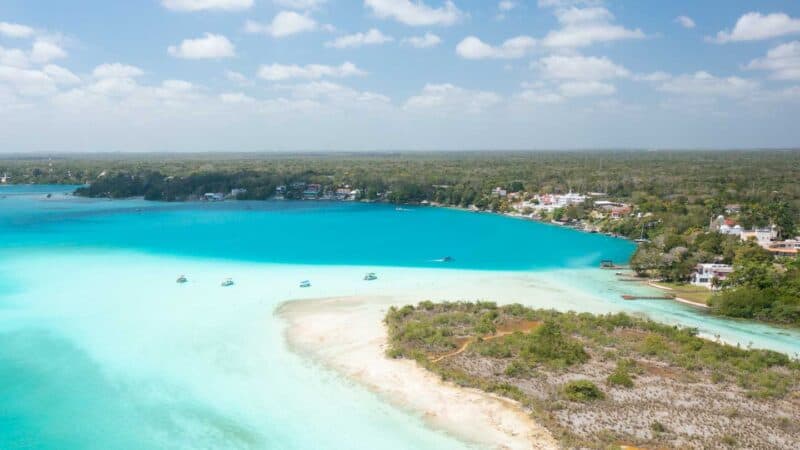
525 328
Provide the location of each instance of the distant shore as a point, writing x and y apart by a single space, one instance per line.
347 335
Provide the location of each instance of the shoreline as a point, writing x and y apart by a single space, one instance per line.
678 299
346 334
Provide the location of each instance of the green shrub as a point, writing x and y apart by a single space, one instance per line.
583 391
621 376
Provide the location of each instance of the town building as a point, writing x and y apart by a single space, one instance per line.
708 274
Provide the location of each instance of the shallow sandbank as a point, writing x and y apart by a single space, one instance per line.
347 335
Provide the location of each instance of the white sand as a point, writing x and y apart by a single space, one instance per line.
347 335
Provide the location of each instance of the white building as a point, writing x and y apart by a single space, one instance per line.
499 192
762 236
704 274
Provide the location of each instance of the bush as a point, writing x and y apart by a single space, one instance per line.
620 376
583 391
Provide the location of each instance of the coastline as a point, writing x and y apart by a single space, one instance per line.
346 334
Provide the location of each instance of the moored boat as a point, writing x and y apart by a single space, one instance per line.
370 276
227 282
181 279
305 284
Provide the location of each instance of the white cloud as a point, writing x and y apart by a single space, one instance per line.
652 76
205 5
235 98
783 61
415 13
282 72
116 70
426 41
285 23
210 46
236 77
685 21
704 84
45 51
754 26
448 98
371 37
582 27
540 96
586 89
300 4
13 57
26 81
15 30
335 94
473 48
582 68
506 5
60 75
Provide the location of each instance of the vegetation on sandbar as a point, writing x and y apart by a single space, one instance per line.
604 380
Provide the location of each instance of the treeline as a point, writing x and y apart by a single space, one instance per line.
760 289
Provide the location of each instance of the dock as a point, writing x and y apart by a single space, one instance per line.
648 297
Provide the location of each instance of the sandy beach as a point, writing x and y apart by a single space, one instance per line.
347 335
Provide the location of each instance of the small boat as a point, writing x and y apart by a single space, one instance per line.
305 284
370 276
227 282
447 259
181 279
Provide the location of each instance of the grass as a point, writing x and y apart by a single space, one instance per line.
697 294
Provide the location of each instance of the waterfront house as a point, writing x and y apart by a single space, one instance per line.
789 247
236 192
706 274
312 192
499 192
619 212
762 236
6 178
213 196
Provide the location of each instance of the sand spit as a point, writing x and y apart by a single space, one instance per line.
347 335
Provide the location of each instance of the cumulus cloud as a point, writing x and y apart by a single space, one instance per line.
783 61
285 23
116 70
45 51
449 98
586 89
60 75
755 26
236 77
205 5
334 93
704 84
685 21
282 72
473 48
506 5
15 30
581 27
27 82
300 4
428 40
415 13
235 98
371 37
210 46
576 67
13 57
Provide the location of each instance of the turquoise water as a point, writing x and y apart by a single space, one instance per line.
304 233
101 349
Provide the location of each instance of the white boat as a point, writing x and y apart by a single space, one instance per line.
227 282
305 284
370 276
181 279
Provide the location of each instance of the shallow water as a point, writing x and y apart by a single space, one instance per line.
100 348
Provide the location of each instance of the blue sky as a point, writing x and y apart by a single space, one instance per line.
262 75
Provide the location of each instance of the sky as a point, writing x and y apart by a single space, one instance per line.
372 75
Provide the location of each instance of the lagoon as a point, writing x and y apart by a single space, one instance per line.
100 348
